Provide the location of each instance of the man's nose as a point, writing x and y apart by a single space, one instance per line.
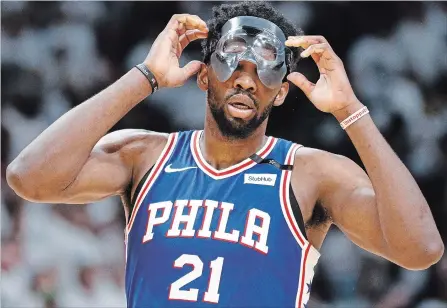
245 76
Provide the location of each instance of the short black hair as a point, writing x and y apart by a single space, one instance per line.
261 9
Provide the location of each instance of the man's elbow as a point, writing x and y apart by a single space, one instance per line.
13 177
20 182
428 255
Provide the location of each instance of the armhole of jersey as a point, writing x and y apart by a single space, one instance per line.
290 208
297 211
150 177
294 219
137 190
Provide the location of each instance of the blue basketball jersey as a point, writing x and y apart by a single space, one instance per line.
201 237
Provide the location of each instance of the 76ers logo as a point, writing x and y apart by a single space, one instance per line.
257 222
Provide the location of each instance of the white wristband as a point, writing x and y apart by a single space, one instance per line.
354 117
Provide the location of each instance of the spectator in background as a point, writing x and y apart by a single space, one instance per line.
22 106
391 71
11 204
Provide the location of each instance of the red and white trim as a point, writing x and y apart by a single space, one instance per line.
230 171
310 254
309 259
153 175
284 197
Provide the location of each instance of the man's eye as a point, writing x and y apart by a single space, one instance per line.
234 45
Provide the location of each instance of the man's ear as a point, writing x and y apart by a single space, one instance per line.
281 96
202 77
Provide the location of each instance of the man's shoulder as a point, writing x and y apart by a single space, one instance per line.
308 155
305 152
129 135
313 158
134 140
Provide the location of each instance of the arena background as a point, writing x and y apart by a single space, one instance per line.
54 55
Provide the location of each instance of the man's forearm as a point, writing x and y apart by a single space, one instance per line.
405 216
57 155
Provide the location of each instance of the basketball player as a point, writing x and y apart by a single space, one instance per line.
228 216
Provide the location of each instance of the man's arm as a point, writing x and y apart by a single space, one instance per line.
51 163
390 218
386 212
108 170
393 216
64 165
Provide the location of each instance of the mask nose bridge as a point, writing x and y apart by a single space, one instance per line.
248 55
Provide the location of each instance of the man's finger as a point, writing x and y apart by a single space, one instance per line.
189 22
315 49
300 42
181 29
191 35
306 41
301 82
316 38
190 69
193 22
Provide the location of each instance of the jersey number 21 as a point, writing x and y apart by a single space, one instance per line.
211 295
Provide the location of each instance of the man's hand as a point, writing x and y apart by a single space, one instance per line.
332 92
163 58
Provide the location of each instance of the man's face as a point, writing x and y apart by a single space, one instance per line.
242 103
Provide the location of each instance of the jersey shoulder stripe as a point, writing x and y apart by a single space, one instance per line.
154 173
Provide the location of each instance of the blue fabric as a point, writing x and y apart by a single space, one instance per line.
249 278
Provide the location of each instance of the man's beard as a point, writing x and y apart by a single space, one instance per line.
236 128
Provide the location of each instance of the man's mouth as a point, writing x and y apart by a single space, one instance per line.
241 101
241 106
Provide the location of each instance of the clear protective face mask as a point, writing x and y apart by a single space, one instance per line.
252 39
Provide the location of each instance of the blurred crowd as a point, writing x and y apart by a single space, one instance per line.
54 55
